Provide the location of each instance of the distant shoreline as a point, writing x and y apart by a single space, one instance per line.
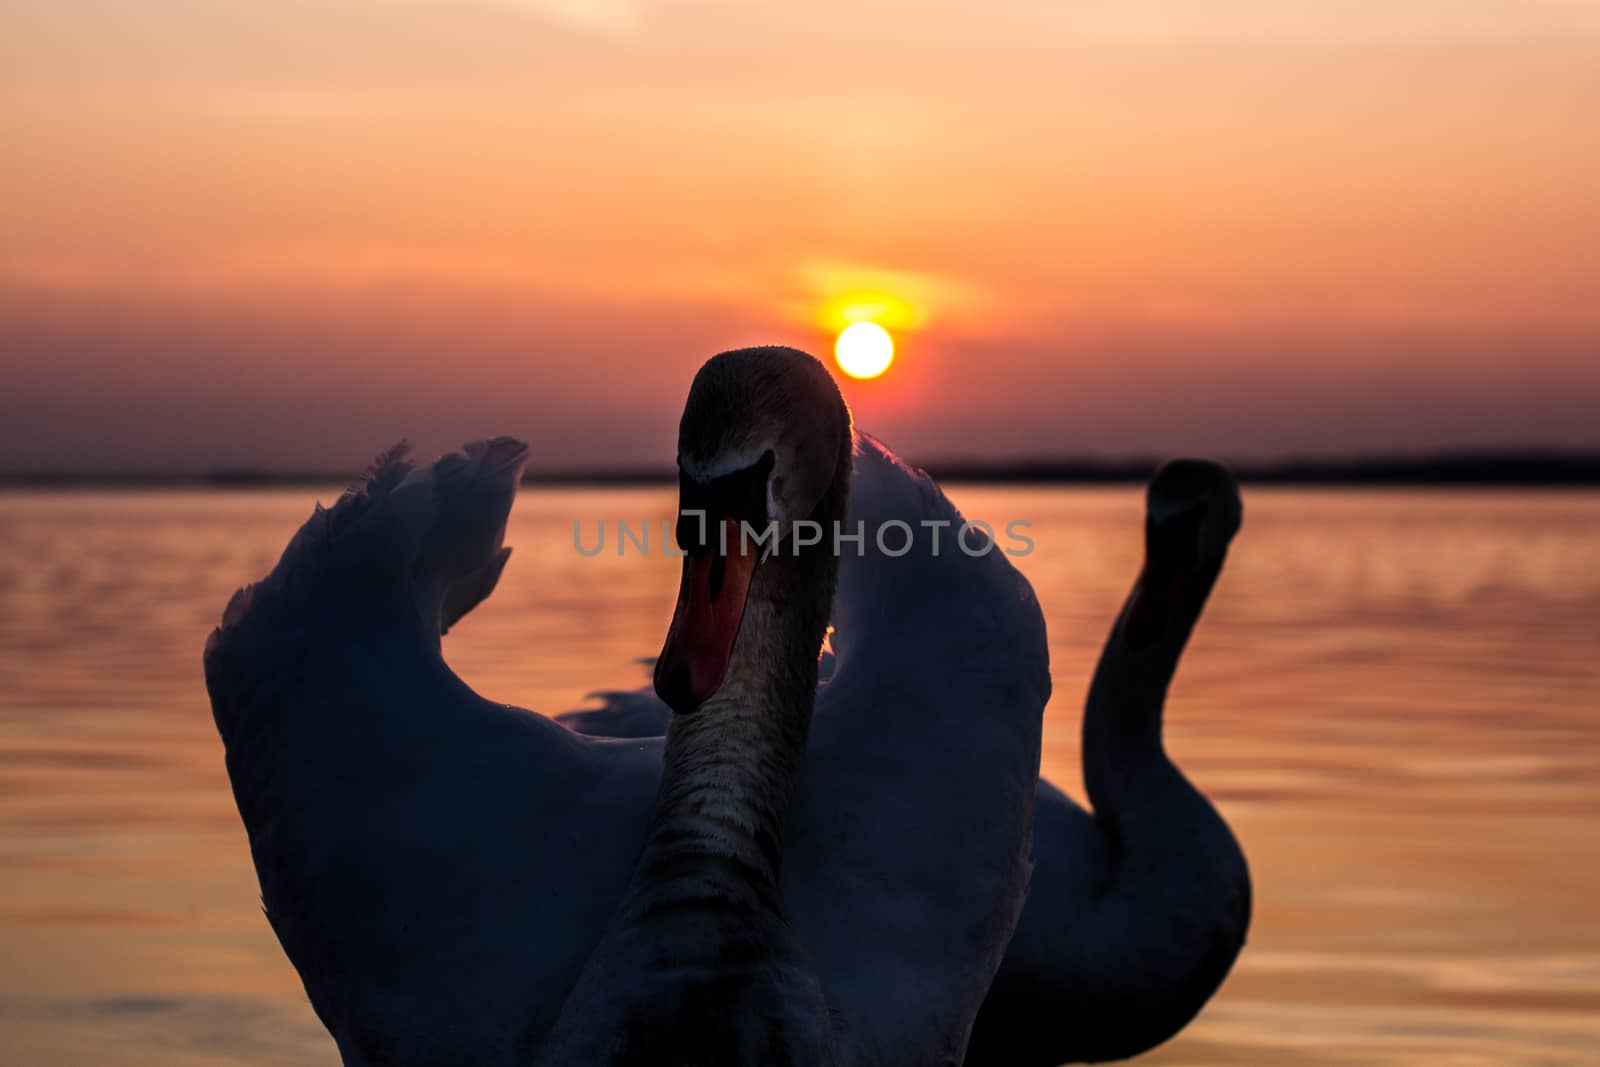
1460 470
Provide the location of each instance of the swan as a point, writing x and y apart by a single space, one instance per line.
445 872
700 964
1137 911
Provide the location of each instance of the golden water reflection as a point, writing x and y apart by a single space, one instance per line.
1395 699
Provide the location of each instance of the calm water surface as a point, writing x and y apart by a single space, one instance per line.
1394 698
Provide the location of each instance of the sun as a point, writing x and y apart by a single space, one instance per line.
864 350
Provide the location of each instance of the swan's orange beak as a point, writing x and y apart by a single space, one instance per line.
711 598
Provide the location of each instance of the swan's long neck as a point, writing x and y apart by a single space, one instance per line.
731 764
1125 764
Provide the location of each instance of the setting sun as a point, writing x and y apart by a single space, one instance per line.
864 350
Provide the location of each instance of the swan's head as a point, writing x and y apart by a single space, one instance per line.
1192 511
765 439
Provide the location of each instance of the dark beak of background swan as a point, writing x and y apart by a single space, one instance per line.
1194 511
1172 545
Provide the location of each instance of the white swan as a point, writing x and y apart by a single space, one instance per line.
700 964
440 868
1136 912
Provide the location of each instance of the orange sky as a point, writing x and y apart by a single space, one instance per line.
285 233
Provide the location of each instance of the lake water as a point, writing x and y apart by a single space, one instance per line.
1394 698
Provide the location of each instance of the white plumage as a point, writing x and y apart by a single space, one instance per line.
439 868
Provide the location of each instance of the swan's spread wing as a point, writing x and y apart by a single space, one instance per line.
361 594
929 736
909 588
387 805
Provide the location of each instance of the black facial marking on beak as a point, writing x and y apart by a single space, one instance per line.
740 495
717 571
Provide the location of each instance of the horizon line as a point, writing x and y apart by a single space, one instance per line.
1465 467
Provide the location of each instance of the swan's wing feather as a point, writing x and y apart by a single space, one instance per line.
264 625
936 598
378 791
405 544
930 730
